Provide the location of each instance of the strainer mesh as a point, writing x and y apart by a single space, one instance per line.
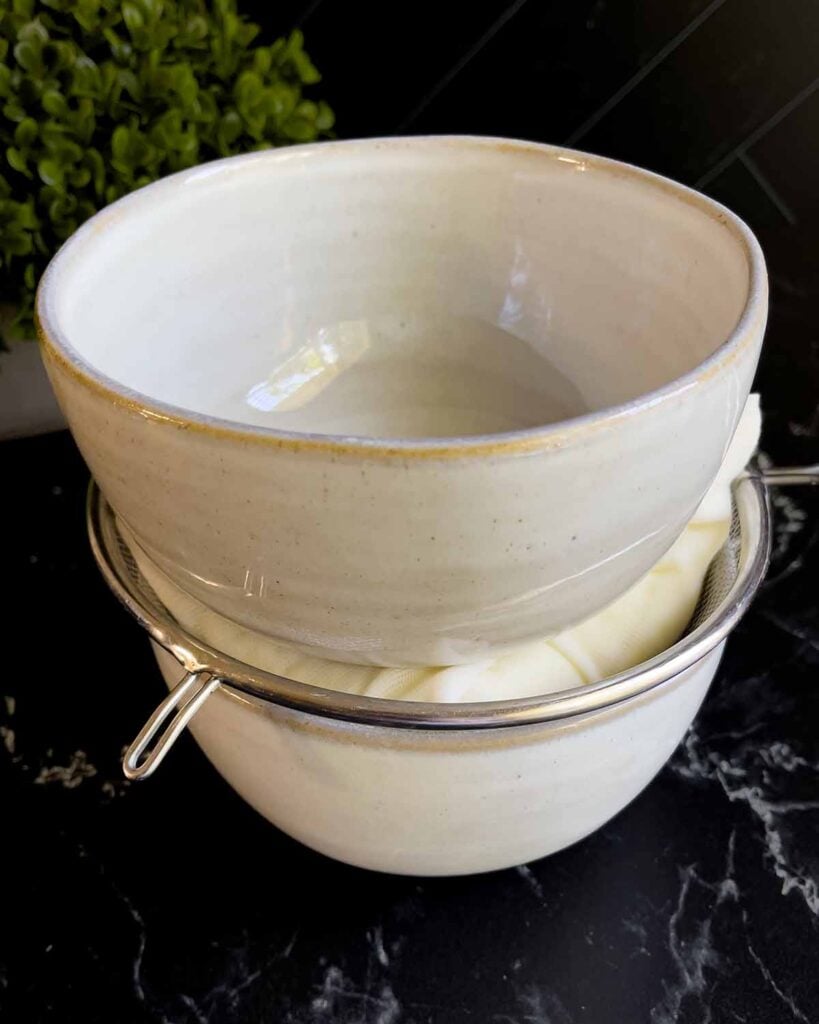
137 582
721 574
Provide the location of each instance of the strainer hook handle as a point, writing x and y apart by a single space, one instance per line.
156 737
787 476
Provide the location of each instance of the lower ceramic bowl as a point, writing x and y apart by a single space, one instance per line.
429 802
433 789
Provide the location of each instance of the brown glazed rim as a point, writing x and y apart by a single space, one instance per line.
58 349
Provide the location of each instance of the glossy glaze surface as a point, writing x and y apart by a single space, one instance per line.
649 300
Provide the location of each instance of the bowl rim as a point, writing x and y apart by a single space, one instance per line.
753 508
58 348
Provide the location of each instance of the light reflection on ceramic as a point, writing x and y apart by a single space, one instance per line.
550 356
304 375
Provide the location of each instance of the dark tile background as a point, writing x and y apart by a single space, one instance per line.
723 96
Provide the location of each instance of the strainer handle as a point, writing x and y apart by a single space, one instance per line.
185 699
786 476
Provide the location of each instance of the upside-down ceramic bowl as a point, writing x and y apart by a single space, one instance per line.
406 401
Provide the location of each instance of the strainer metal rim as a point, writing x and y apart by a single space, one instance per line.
202 661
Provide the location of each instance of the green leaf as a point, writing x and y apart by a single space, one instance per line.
299 129
262 61
120 142
230 127
248 90
52 133
325 118
87 14
14 244
129 83
133 17
17 161
187 86
307 109
96 165
86 80
30 58
54 103
282 99
34 33
195 31
61 207
79 177
51 173
26 217
14 111
25 133
230 25
307 71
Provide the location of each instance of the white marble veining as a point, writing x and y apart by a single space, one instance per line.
744 779
693 956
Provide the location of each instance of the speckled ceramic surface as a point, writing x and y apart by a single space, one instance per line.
395 800
408 400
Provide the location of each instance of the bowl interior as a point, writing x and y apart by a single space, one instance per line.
400 288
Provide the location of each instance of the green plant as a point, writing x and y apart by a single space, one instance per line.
99 97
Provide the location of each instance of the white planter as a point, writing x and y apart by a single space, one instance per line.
27 403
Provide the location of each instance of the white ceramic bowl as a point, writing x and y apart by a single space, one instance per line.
405 401
423 802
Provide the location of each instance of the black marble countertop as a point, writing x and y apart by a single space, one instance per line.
171 901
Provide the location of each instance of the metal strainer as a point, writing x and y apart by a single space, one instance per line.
730 584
